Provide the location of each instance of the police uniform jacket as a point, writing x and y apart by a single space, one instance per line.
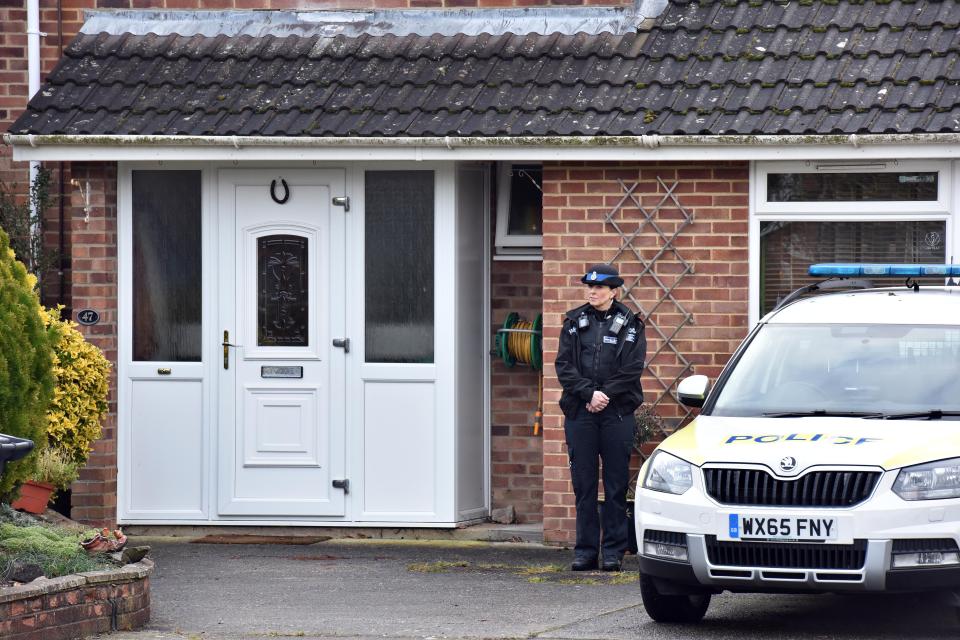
595 358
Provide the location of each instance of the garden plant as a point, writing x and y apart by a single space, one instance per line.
26 364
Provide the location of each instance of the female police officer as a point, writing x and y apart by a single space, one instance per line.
599 362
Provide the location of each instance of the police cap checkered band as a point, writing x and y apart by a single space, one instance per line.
604 274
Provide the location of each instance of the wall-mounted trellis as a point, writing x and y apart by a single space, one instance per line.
667 246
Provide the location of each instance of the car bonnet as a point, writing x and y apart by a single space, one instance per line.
814 441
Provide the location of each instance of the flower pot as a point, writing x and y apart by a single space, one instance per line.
34 497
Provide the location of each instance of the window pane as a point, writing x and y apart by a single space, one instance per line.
399 266
788 248
852 187
282 294
526 200
166 266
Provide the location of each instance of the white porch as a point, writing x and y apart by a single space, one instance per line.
231 413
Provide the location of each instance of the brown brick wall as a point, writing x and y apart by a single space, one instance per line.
75 607
516 453
94 286
577 197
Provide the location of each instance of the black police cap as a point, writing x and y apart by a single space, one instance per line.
604 274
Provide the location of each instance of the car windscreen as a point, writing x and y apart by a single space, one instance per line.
838 368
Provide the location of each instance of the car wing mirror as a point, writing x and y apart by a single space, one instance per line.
692 391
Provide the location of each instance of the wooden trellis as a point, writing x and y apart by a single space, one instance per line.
667 246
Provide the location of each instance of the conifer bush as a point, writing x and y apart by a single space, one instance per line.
26 364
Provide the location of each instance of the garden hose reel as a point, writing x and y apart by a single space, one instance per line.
521 341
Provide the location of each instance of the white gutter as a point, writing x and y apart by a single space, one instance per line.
648 147
33 83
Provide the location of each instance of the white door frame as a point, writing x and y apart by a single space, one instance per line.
440 373
130 372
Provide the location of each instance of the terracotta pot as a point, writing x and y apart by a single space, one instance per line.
34 497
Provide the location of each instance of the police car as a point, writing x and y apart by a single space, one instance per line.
826 458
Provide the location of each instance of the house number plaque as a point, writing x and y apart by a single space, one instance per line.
281 372
88 317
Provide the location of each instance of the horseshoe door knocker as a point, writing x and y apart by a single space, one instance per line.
273 191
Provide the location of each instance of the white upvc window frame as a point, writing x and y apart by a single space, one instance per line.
512 246
879 208
761 210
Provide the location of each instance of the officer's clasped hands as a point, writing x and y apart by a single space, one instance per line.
598 403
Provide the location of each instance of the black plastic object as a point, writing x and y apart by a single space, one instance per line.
12 448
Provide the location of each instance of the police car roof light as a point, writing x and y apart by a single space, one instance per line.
848 270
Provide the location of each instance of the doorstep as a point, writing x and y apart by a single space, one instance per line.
483 532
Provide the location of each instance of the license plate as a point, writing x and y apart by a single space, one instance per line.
744 526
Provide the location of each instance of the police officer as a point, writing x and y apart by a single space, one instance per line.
599 362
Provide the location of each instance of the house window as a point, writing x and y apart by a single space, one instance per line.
809 212
788 247
905 186
519 209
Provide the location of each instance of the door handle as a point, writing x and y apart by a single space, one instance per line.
342 343
226 349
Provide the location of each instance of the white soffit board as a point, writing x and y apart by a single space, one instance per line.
642 148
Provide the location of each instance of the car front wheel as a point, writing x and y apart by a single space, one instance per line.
683 609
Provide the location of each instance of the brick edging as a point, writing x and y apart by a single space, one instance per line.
77 605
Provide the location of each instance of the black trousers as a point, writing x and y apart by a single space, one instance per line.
592 437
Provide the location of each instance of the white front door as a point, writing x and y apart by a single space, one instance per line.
281 389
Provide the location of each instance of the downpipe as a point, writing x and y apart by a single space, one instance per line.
33 84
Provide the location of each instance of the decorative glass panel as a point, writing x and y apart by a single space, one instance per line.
167 277
907 186
787 249
282 304
526 200
399 266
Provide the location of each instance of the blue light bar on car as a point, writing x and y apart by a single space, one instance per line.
850 270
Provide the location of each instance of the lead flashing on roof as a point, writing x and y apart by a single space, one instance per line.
426 22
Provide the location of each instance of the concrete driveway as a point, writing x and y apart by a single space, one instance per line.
456 589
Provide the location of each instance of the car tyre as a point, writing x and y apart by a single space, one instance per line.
682 609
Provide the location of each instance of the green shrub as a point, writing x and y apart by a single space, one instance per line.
80 393
26 372
56 550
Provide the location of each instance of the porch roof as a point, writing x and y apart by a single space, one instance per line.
726 68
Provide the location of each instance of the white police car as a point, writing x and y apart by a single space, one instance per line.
826 458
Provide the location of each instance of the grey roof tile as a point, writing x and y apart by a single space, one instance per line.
709 67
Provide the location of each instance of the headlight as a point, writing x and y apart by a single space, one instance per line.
669 474
930 481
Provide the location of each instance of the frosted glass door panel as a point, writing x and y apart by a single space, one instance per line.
399 266
166 266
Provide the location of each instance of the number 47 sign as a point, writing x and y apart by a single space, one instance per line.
88 317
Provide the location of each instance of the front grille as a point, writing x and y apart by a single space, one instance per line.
787 555
757 487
